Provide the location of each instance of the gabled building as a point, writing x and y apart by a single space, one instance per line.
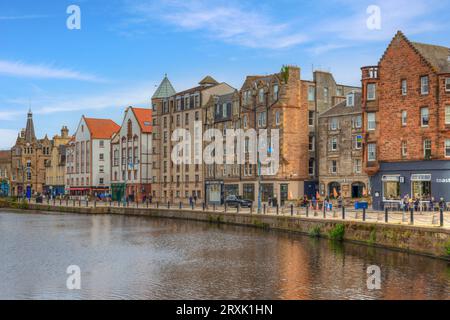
89 159
222 112
55 170
5 173
181 110
29 157
406 104
131 152
340 133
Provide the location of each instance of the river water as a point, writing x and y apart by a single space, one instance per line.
146 258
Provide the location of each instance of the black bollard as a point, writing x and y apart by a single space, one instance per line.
386 215
292 210
364 214
441 214
264 208
237 208
214 207
277 208
412 216
168 204
343 213
307 211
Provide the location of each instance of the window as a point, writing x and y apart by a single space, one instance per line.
357 122
357 166
424 85
333 166
404 148
311 118
371 152
371 123
404 87
447 114
101 156
404 118
277 118
424 117
311 93
350 100
186 119
371 91
311 167
447 84
334 124
102 144
101 169
262 119
325 94
311 143
333 144
358 142
427 149
275 92
447 148
245 121
101 180
261 95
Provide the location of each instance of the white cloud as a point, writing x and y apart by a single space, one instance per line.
120 98
410 16
24 17
19 69
221 20
7 138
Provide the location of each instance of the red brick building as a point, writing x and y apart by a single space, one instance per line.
406 104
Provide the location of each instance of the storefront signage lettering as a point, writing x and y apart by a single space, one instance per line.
421 177
391 178
445 180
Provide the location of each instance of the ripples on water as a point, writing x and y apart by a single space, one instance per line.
145 258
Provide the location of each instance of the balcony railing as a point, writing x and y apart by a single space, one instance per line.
371 72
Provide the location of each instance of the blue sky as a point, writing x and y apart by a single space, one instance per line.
125 47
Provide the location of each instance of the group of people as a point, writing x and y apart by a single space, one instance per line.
431 204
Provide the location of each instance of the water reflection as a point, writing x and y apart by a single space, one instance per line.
144 258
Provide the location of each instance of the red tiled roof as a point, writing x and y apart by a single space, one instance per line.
101 128
144 117
5 154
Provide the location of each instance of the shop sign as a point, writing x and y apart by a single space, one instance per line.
421 177
443 180
391 178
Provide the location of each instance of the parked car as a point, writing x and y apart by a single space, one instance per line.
234 201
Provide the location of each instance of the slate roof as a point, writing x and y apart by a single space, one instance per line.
437 56
341 109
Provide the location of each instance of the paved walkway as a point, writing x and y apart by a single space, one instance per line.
428 219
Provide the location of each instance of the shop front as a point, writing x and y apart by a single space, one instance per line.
420 180
4 188
231 190
117 191
214 192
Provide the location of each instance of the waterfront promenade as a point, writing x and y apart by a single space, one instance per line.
438 219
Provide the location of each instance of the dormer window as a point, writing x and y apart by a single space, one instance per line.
351 100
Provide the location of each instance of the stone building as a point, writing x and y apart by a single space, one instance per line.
28 162
340 134
88 158
406 104
131 156
222 112
183 110
55 170
5 172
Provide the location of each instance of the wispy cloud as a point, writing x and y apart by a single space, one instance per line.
41 71
8 138
23 17
225 21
